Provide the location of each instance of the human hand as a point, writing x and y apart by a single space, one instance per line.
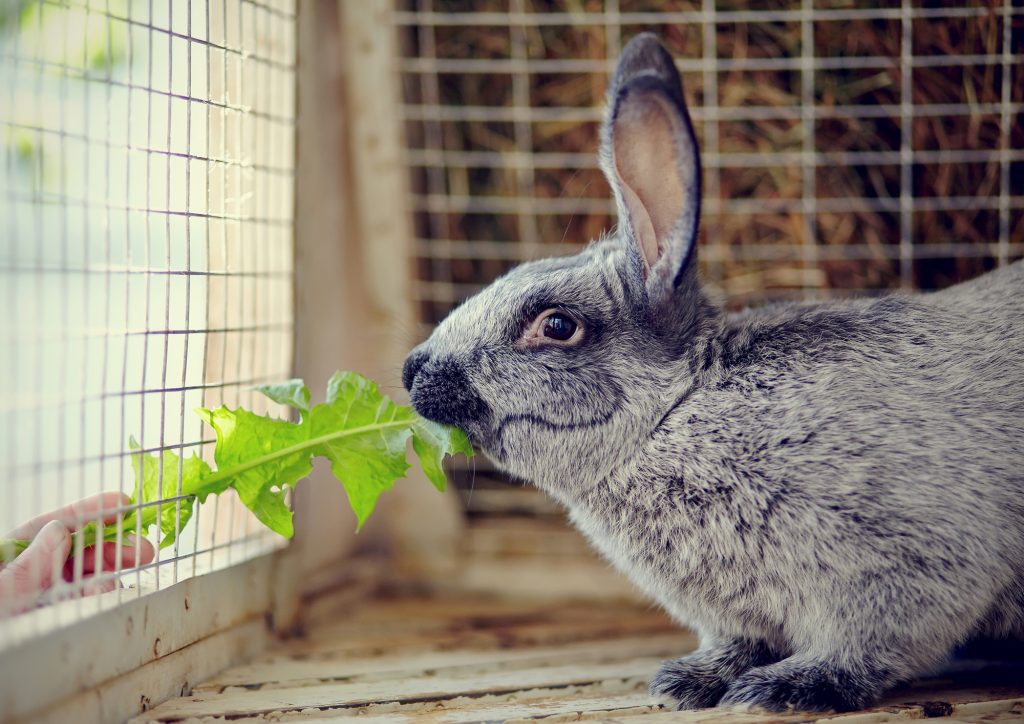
24 579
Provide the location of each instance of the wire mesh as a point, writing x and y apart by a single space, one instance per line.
849 147
147 263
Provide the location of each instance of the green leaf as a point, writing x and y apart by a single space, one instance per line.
432 441
11 548
156 479
363 434
366 464
293 393
258 457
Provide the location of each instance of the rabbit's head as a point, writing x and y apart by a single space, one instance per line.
558 366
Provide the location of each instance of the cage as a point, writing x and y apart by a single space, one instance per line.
204 196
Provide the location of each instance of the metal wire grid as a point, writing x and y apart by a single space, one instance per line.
849 147
147 268
443 102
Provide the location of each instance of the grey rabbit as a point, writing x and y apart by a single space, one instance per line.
830 494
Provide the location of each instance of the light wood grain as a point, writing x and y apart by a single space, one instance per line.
287 668
469 659
237 701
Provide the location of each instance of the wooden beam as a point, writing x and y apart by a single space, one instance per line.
422 527
327 304
282 668
174 675
354 268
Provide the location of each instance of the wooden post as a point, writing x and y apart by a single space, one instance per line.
323 294
353 268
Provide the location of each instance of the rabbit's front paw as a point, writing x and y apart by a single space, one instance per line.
803 686
689 682
698 680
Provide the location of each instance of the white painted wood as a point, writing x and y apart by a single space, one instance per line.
522 706
479 659
577 578
128 695
629 708
475 634
42 672
1005 710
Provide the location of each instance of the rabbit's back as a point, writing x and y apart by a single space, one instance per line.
953 357
983 320
995 294
925 387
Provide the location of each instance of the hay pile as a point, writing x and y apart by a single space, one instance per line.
760 244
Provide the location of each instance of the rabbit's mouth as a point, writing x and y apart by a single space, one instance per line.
441 391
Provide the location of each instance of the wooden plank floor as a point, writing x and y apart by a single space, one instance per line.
477 659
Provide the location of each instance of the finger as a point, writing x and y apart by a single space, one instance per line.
74 515
85 563
32 572
135 551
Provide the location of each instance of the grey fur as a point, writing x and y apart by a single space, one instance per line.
831 495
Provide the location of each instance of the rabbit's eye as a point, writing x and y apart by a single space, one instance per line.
558 326
552 327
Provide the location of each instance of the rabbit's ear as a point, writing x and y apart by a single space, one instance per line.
650 156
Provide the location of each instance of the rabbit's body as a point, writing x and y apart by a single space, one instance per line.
831 494
809 490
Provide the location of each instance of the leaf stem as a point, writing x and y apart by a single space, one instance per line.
208 484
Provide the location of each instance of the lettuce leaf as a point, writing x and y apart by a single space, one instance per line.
155 481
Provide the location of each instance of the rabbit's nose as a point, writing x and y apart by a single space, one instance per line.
413 364
442 392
